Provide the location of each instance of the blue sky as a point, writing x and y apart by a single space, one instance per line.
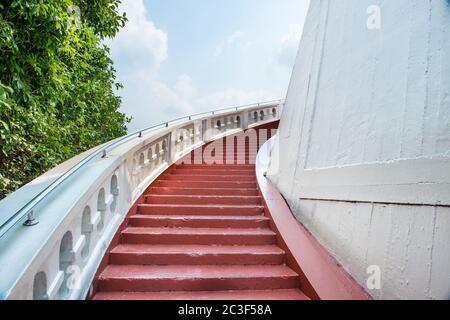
177 57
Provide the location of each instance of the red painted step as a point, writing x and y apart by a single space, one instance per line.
210 210
215 178
212 172
203 191
216 167
200 234
211 236
125 254
181 221
196 278
206 184
241 295
203 200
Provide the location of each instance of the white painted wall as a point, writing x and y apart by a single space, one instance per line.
364 141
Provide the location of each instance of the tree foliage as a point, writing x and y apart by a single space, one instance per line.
56 84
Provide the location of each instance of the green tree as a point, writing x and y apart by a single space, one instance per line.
56 84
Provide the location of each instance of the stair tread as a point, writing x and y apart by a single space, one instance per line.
200 189
201 196
237 206
194 217
198 231
180 272
209 166
224 169
207 184
201 209
211 175
203 199
280 294
196 249
216 166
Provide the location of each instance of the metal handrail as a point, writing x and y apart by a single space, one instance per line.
27 210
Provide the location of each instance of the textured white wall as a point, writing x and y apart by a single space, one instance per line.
361 103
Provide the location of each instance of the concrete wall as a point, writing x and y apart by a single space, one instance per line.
364 140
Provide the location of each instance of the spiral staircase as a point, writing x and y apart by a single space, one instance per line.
201 233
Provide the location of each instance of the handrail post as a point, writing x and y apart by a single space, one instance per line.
171 147
244 119
31 220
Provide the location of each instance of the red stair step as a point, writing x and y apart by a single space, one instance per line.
203 200
221 210
217 166
212 236
128 254
138 278
213 172
218 178
203 191
206 184
199 221
261 295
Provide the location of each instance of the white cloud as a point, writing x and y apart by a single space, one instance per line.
139 45
184 87
294 35
235 97
229 41
232 38
289 45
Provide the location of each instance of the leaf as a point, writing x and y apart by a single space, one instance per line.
9 89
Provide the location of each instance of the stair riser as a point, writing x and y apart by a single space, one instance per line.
152 285
219 160
207 184
197 259
217 167
198 223
218 179
212 172
200 211
238 240
288 294
198 200
203 191
235 162
218 152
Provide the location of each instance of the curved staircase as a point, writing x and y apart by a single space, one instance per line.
200 233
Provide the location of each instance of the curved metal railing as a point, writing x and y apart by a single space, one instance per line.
27 210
